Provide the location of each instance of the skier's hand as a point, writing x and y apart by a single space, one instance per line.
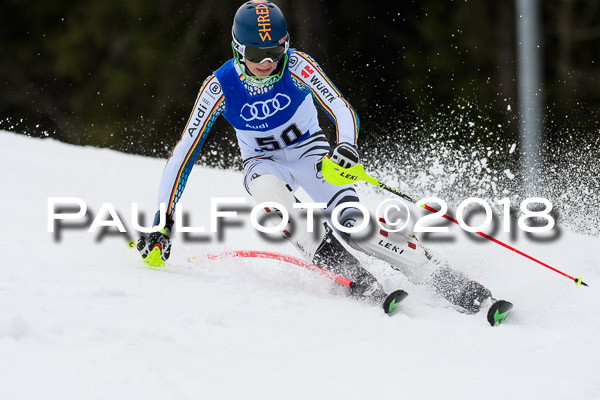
344 154
155 249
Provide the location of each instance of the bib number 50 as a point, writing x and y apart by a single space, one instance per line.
287 137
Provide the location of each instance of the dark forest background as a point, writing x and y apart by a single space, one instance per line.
124 74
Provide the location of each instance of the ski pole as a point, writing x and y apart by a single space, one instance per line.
337 175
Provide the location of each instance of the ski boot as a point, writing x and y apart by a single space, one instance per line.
458 290
469 295
332 256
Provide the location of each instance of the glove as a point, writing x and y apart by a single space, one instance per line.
155 249
344 154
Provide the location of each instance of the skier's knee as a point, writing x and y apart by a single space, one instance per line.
347 215
269 188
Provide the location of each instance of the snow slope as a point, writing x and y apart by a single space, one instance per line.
83 319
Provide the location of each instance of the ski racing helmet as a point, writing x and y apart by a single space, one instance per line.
259 33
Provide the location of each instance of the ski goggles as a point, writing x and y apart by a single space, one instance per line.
258 54
261 54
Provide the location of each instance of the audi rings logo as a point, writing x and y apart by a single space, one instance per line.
265 109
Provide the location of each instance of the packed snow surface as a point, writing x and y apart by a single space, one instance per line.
81 318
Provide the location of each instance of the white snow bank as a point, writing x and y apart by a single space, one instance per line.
83 319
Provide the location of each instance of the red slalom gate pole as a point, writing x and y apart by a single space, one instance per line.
282 257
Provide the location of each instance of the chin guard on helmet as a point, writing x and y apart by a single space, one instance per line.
259 80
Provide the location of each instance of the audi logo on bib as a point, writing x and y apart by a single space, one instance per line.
265 109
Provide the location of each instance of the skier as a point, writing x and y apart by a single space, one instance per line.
267 93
